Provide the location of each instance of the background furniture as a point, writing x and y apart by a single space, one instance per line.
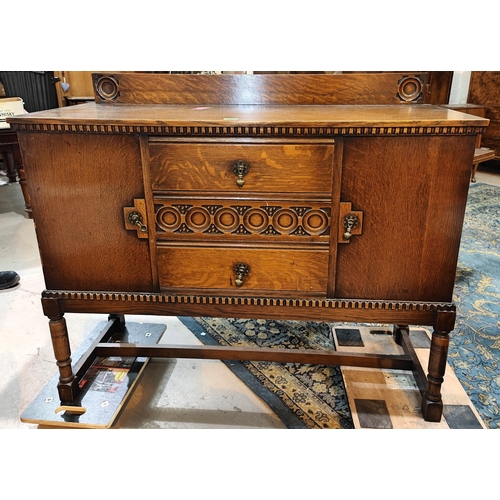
239 196
484 90
36 88
481 153
38 92
11 156
480 156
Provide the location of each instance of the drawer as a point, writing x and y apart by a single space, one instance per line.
258 221
269 168
277 270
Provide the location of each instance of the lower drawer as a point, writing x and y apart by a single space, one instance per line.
258 269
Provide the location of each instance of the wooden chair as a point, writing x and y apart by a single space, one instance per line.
481 155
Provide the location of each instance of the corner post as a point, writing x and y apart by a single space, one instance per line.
68 384
432 404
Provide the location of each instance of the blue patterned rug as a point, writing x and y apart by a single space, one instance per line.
312 396
474 351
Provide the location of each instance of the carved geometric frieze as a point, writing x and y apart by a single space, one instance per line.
286 220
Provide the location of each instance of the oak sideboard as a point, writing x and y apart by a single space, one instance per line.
249 196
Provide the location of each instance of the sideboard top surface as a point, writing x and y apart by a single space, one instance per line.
251 115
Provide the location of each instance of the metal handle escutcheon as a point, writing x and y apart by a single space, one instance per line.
240 270
240 169
135 218
349 222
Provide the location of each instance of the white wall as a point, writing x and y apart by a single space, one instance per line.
459 87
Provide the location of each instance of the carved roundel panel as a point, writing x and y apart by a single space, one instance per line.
410 88
107 88
255 220
198 219
315 222
226 219
286 220
269 220
168 219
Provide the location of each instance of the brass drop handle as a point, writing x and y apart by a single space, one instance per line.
240 169
241 270
349 222
135 218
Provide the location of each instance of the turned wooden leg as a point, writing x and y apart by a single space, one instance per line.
68 384
432 404
474 170
8 158
26 195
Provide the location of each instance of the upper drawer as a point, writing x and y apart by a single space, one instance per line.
272 168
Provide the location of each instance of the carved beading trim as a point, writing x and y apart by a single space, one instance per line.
245 131
251 301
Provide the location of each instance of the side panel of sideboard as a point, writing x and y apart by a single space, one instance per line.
80 184
412 191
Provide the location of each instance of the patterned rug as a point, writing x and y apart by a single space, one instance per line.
303 396
313 396
474 352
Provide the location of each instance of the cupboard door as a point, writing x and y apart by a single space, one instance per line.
412 191
80 184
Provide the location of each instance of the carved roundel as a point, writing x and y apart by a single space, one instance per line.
227 219
198 219
410 88
315 222
255 220
107 88
285 220
168 219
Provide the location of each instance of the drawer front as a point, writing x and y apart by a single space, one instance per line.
269 168
267 270
248 220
